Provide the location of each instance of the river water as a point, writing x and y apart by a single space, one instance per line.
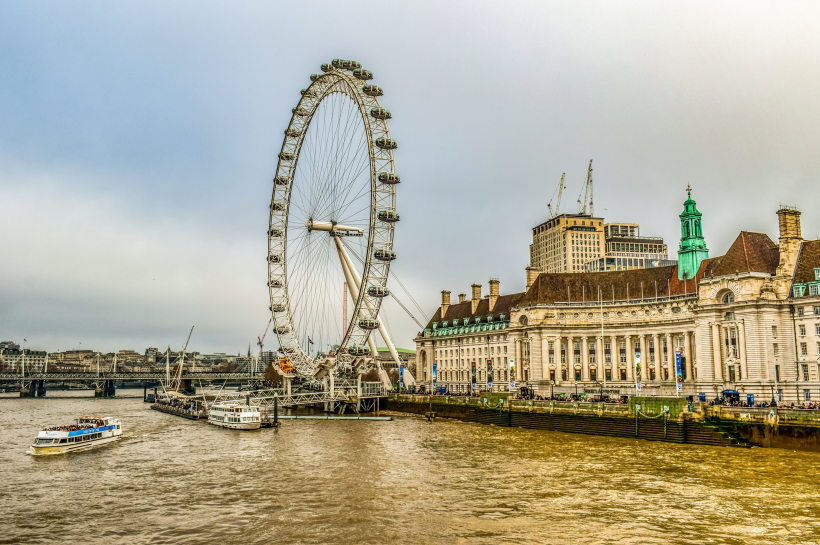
171 480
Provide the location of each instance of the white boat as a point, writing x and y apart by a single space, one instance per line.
235 416
88 432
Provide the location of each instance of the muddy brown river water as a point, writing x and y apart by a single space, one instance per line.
407 481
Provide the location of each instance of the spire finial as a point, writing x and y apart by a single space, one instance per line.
688 190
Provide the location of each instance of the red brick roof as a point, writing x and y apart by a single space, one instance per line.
576 287
750 252
807 261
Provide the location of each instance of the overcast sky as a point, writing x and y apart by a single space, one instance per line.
138 141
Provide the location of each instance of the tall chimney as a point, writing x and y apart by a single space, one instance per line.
493 292
462 297
532 274
790 239
445 302
476 296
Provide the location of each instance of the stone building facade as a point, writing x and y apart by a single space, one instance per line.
746 321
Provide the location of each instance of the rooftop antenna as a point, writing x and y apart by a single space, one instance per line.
558 202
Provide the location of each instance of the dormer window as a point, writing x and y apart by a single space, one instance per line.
466 321
444 323
489 318
817 274
502 317
729 297
798 290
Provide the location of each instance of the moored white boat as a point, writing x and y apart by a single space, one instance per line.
88 432
235 416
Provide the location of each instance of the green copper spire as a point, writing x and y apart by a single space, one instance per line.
692 249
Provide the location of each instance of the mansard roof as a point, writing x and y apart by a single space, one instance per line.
750 252
807 261
551 288
458 311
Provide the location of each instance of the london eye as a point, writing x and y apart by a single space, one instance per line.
332 219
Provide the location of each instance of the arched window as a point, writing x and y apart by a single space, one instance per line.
686 230
697 229
729 297
522 320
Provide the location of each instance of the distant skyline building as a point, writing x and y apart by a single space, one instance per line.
626 249
566 242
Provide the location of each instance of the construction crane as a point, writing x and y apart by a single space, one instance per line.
261 339
558 203
587 192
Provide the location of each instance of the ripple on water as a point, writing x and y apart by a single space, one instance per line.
173 480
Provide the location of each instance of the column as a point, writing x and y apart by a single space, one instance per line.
584 359
570 359
687 353
670 356
697 353
630 359
599 358
716 352
615 355
556 347
741 339
657 362
644 358
545 358
517 360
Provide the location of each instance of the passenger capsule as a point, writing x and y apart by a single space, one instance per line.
275 283
327 67
308 92
277 308
380 113
337 63
281 180
384 255
286 156
389 216
372 90
367 323
386 143
362 74
293 133
282 329
314 77
351 65
278 206
388 178
358 350
274 258
300 112
378 291
275 233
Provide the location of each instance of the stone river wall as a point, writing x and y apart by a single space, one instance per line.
642 418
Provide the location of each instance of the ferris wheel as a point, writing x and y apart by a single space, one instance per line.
332 218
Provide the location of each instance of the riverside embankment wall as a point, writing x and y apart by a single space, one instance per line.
698 424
